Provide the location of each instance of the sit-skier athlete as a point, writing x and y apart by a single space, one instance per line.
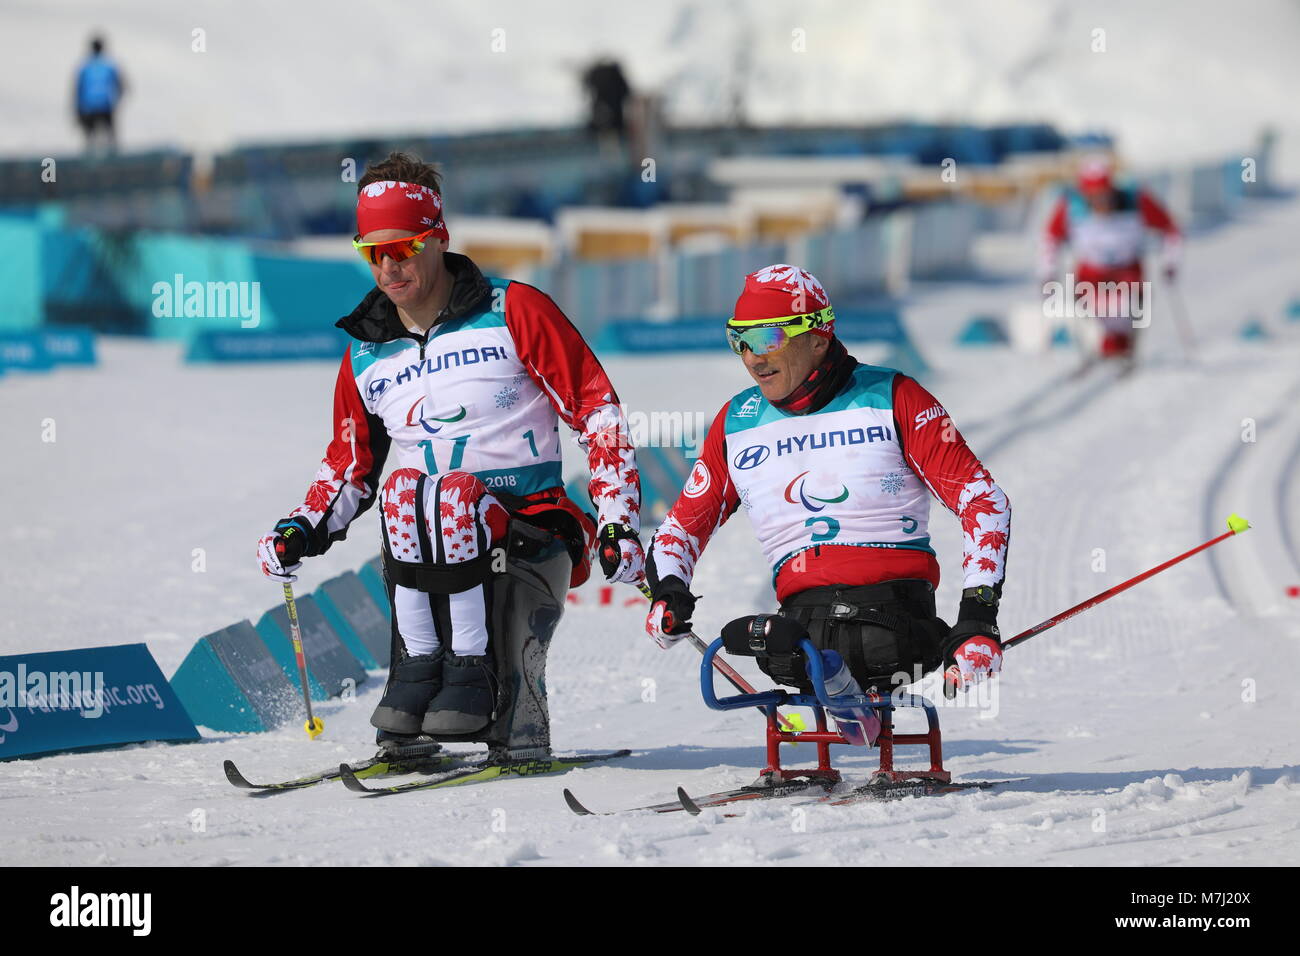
835 462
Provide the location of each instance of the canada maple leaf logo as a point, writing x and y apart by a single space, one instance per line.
670 541
987 564
319 495
606 449
794 280
997 540
979 505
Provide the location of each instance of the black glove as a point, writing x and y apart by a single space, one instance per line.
678 601
620 552
291 541
973 620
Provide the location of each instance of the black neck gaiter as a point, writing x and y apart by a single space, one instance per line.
822 384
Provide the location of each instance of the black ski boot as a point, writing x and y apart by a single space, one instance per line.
467 700
406 745
412 684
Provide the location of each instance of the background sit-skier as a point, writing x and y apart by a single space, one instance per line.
461 380
835 461
1105 224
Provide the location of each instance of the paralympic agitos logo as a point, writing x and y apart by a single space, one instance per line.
796 487
415 416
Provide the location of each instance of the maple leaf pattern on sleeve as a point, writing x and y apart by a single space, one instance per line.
704 505
939 455
561 363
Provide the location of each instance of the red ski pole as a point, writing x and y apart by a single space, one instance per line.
1236 525
790 723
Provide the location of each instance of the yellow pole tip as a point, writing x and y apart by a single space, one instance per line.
314 728
1237 524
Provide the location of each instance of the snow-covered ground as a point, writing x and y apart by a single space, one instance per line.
1193 85
1159 728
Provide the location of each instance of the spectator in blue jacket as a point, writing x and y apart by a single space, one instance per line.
99 89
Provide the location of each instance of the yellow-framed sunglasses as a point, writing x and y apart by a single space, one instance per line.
762 336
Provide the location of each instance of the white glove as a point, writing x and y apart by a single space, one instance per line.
270 561
654 626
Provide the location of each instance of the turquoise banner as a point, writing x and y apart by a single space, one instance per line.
87 698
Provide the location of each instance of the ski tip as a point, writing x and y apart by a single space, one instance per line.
235 777
689 805
350 780
575 805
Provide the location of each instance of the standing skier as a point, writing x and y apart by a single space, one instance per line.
835 461
1105 224
462 380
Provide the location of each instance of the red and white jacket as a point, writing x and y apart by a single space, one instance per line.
483 391
840 496
1107 245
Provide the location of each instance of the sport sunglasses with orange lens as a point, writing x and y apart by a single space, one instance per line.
395 249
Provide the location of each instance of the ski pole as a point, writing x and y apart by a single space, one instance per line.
314 725
794 723
1182 321
1236 525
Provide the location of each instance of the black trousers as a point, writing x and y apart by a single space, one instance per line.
887 633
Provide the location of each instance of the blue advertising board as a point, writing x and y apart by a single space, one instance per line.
88 698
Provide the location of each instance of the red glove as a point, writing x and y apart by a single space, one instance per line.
975 659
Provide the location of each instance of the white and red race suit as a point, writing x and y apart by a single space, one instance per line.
482 392
1107 246
840 496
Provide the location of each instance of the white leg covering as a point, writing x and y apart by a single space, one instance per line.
415 621
469 633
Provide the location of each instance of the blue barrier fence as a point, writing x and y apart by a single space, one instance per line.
84 699
244 678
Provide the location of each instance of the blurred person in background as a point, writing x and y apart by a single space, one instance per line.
99 88
1105 223
608 91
